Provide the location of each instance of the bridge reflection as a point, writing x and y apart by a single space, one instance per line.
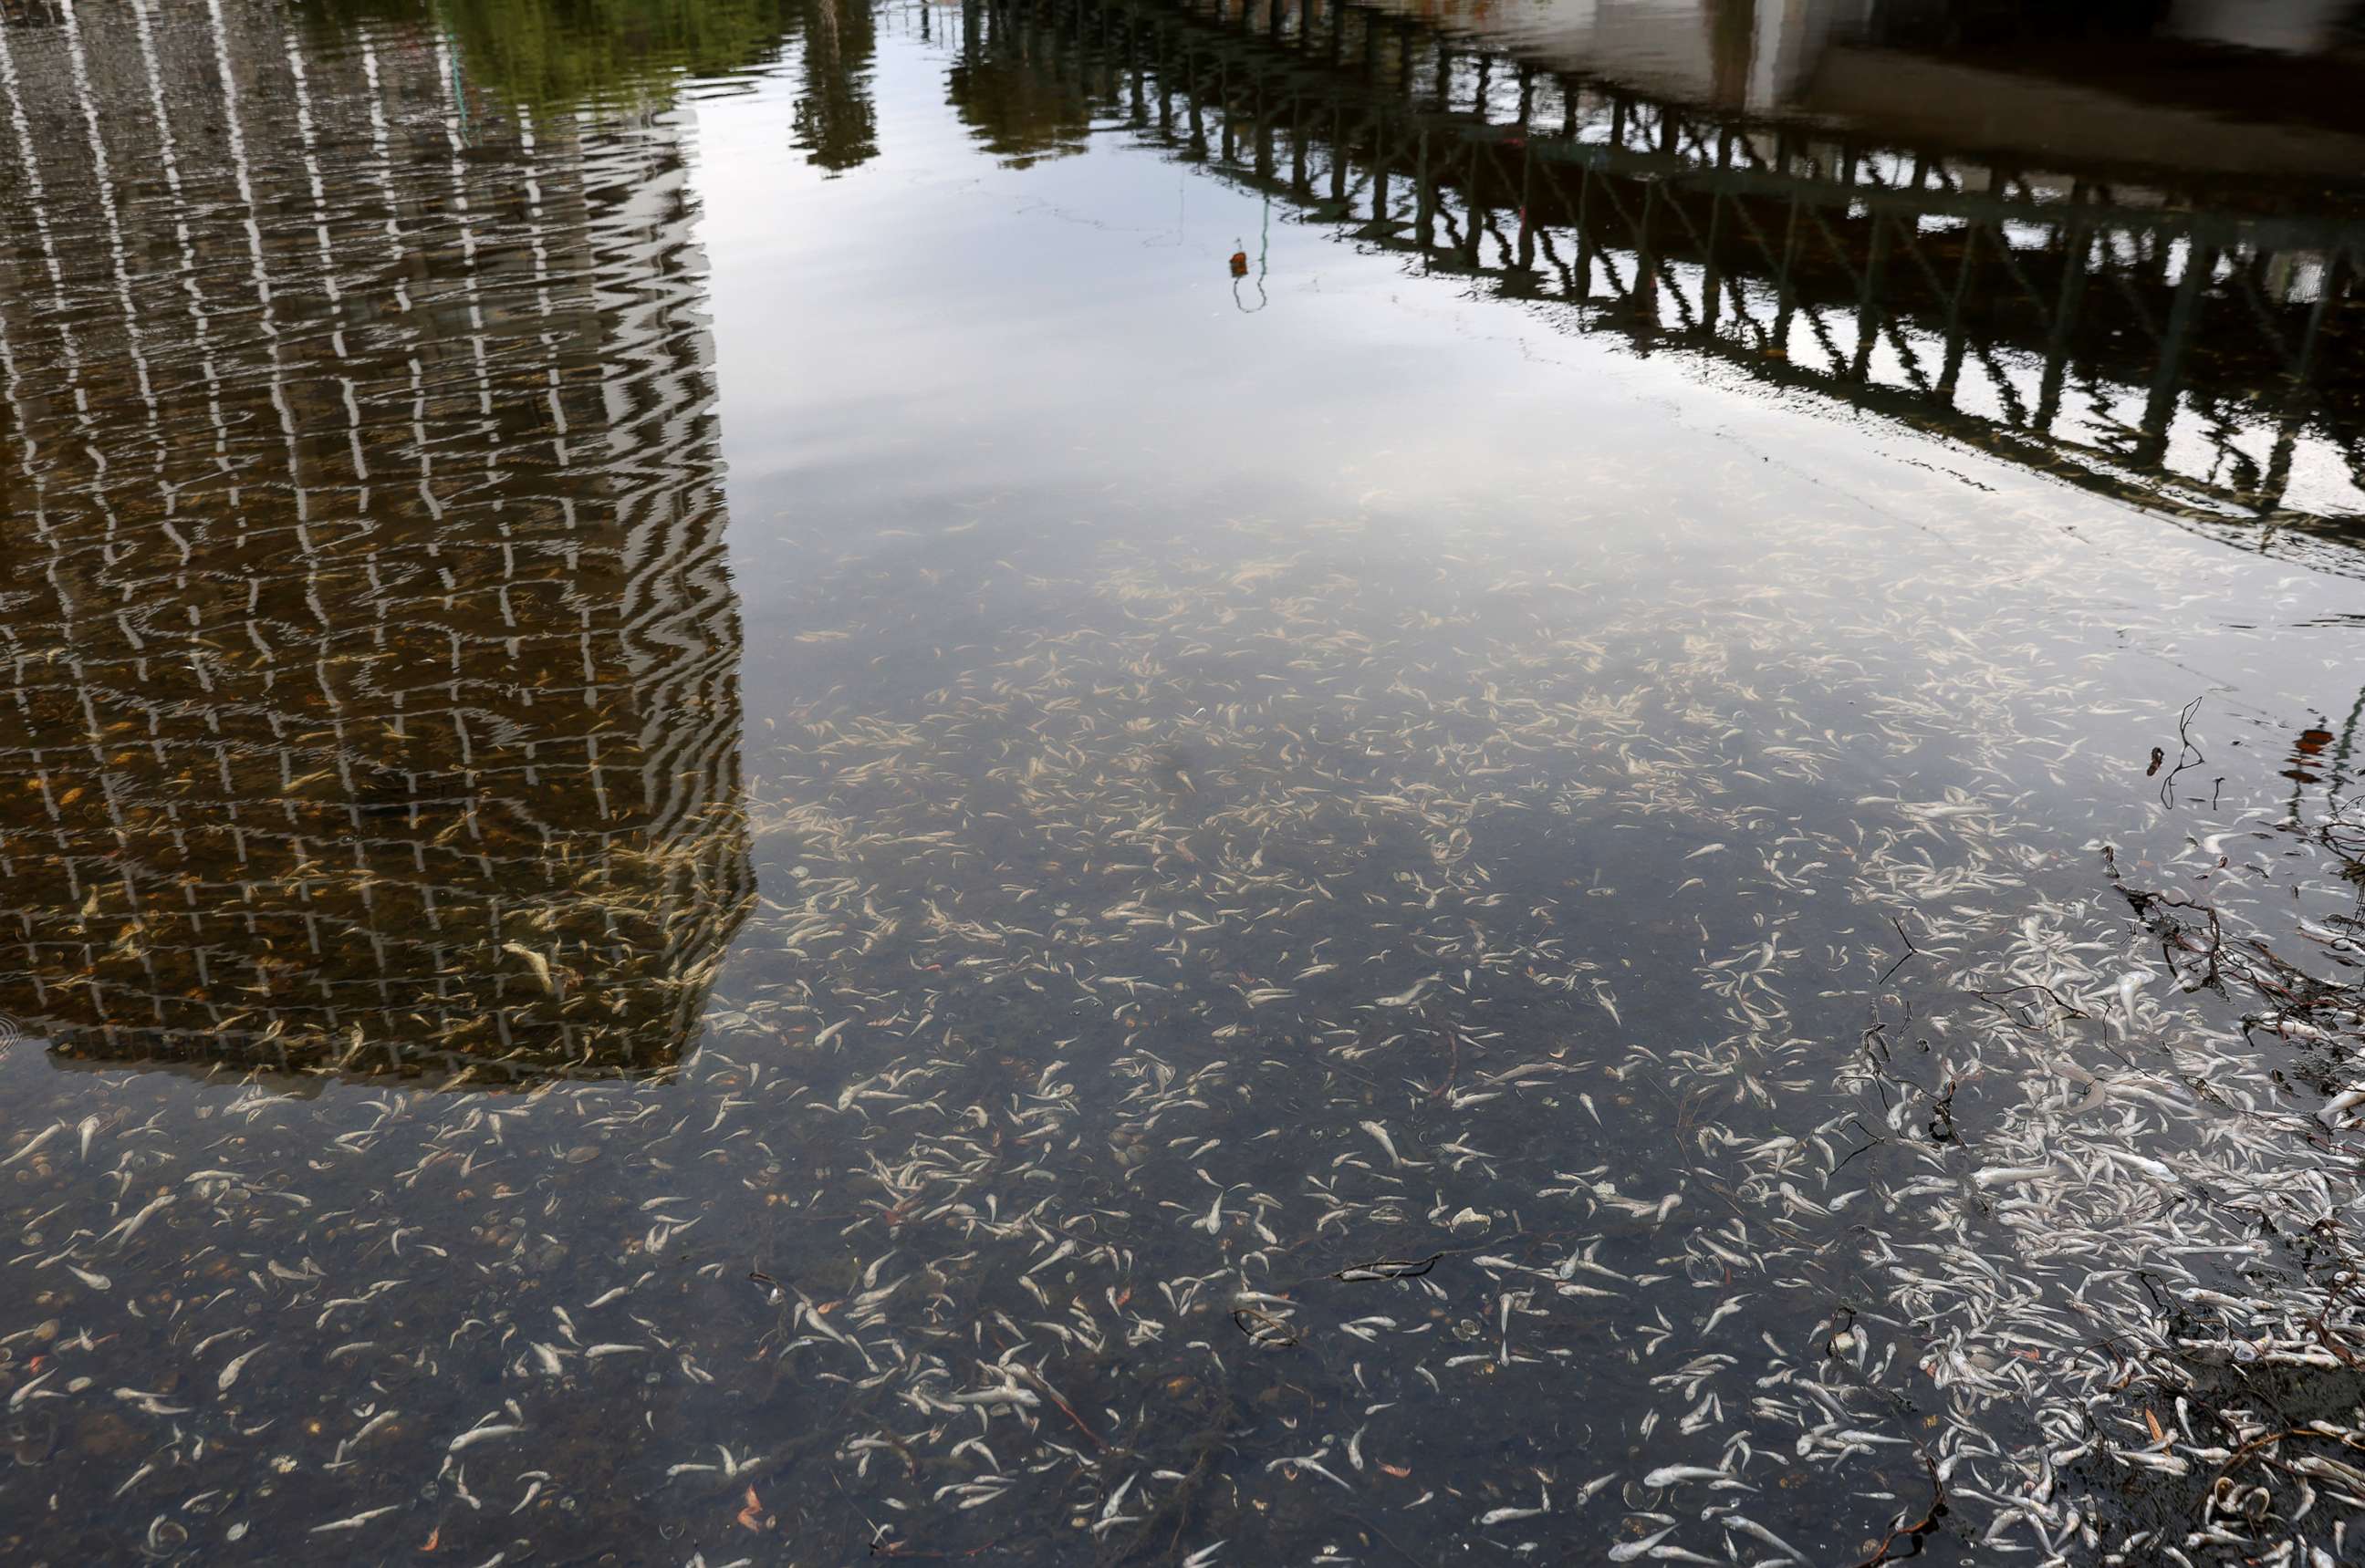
2182 344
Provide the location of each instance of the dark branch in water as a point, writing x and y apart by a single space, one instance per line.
1911 952
2187 756
1915 1532
1996 1000
1899 1531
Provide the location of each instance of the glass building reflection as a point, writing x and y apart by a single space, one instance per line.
370 692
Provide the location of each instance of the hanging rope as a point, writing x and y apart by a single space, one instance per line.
1241 265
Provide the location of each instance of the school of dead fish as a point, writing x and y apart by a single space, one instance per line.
1161 1101
1336 1051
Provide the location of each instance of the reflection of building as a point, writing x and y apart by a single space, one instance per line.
367 660
2185 343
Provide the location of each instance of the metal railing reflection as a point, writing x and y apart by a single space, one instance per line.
2184 346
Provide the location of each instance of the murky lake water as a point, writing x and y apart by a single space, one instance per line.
1105 782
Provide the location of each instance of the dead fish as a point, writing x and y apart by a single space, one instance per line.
1627 1552
237 1365
1505 1515
2010 1175
34 1144
1380 1136
475 1434
355 1521
1390 1268
534 961
1407 997
1674 1474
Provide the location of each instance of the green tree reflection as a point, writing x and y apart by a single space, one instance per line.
560 54
836 124
1019 111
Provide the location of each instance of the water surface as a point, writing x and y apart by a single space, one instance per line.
1104 782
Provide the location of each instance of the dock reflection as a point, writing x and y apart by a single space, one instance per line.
2179 340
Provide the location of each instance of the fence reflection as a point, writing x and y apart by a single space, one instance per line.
2180 343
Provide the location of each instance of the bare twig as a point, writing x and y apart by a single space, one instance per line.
1911 952
2187 756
